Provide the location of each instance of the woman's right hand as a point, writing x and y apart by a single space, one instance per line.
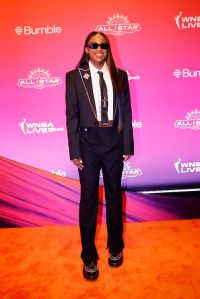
78 163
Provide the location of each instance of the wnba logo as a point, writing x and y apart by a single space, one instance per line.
188 22
38 128
130 77
187 167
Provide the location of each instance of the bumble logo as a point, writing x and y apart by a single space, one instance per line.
186 73
28 30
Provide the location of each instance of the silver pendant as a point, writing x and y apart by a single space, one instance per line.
86 76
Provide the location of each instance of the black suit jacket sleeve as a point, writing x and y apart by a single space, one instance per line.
125 103
72 112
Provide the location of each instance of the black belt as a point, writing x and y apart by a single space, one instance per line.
108 124
99 124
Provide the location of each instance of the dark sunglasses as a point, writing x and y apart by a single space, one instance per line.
103 46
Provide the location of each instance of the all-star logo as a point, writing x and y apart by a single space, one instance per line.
130 172
39 78
118 25
186 167
188 22
191 121
38 127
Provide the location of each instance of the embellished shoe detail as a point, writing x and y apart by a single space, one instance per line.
91 271
115 259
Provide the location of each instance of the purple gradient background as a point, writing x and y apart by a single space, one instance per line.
158 98
32 197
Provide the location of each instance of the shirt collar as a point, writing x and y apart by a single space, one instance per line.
94 70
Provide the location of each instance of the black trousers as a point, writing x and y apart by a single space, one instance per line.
101 148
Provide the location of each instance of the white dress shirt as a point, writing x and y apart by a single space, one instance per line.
96 89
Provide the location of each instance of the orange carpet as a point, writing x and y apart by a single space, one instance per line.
161 260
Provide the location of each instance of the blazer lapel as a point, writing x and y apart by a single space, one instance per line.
87 83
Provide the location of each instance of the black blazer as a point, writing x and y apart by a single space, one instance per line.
81 110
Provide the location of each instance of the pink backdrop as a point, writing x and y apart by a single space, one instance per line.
156 42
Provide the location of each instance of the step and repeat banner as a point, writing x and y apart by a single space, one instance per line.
156 42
